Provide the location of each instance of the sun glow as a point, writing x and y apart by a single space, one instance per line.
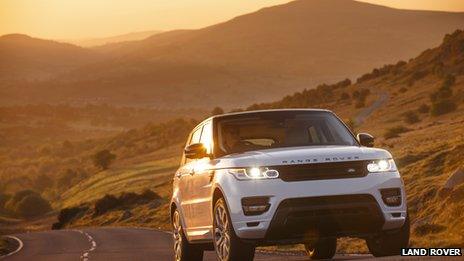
71 19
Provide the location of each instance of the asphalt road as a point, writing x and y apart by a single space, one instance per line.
114 244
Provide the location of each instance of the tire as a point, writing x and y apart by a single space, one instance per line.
227 245
390 243
183 250
324 248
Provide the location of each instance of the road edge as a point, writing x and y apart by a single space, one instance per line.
20 246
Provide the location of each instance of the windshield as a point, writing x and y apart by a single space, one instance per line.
267 130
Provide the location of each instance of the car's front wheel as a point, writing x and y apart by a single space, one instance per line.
323 248
390 243
227 245
183 250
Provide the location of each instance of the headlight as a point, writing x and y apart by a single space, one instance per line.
383 165
254 173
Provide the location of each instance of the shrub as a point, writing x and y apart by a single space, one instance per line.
67 215
360 104
424 108
425 229
125 200
344 96
457 194
364 92
103 159
442 107
448 81
444 92
16 198
395 132
105 204
417 75
411 117
403 90
441 94
32 206
3 199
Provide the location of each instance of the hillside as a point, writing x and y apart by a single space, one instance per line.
255 57
66 175
25 58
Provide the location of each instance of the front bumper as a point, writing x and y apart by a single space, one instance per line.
298 207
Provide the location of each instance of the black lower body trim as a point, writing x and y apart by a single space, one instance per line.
298 220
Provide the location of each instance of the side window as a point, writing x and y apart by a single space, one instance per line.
207 137
196 136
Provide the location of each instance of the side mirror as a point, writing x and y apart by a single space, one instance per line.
365 139
195 151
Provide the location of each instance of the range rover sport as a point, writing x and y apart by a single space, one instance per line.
284 177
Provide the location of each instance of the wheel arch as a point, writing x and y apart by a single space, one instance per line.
173 207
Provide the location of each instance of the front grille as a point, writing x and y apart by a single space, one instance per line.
318 171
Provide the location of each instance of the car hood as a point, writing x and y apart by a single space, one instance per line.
300 155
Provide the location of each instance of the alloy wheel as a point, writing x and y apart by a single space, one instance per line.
177 236
221 232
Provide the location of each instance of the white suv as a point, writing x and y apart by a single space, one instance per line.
284 177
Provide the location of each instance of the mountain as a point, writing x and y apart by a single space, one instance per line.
91 42
255 57
26 58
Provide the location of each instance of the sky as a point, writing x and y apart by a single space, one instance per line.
77 19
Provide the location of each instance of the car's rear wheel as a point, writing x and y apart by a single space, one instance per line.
323 248
390 243
227 245
183 250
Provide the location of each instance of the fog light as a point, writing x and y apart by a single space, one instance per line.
255 205
391 196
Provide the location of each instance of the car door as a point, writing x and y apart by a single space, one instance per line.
201 180
186 187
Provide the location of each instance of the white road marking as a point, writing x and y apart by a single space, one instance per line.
20 243
86 254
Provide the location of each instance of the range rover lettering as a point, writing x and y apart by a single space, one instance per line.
290 176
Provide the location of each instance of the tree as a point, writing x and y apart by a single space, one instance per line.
103 159
217 111
442 107
32 205
411 117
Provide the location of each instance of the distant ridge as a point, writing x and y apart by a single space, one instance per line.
92 42
256 57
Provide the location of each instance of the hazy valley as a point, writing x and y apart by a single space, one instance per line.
254 57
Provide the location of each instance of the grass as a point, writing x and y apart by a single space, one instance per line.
150 171
395 132
134 177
